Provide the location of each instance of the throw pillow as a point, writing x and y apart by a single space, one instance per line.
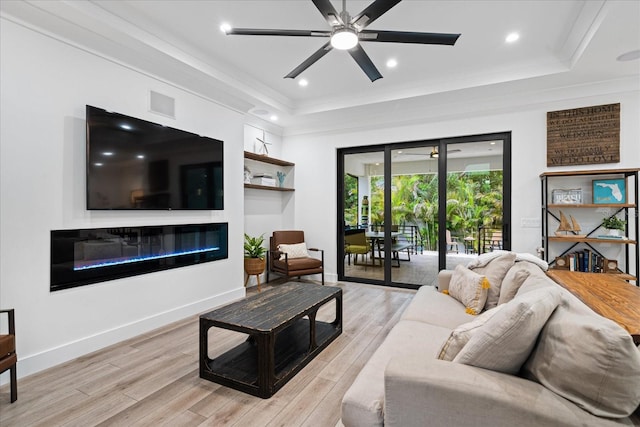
495 272
505 341
589 360
296 250
461 335
513 280
469 288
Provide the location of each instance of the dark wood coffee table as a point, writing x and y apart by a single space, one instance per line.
284 336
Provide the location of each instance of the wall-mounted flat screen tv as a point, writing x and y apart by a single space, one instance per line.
136 164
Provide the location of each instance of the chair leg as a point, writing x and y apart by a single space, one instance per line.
14 383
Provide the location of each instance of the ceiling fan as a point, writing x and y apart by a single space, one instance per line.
347 32
433 154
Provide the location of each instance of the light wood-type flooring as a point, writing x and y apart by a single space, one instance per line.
152 379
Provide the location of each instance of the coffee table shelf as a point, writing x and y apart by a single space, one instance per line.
240 364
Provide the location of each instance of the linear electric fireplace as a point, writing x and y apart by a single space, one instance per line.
81 257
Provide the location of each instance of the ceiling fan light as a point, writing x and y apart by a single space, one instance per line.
344 39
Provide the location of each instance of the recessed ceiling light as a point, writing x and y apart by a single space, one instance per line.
512 37
629 56
492 143
97 164
107 153
225 27
303 82
125 126
274 118
140 156
392 63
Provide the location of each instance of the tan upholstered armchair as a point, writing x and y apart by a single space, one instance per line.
288 255
8 358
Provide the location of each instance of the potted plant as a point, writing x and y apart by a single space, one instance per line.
254 254
614 224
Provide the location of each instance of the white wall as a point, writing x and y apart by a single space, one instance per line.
316 205
45 86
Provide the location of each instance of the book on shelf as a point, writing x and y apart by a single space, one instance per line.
585 261
270 182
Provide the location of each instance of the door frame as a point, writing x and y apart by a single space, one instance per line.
442 188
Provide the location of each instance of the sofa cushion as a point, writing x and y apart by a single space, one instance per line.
363 403
433 307
295 250
505 341
461 335
495 272
588 360
469 288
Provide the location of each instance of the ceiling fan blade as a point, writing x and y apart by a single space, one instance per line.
261 32
365 63
309 61
408 37
372 12
329 12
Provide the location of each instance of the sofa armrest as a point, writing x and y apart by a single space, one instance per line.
430 392
444 277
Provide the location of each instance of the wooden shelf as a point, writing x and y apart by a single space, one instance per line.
630 171
591 240
266 187
591 205
266 159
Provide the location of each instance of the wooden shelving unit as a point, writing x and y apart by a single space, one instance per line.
590 239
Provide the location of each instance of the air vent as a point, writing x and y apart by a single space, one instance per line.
162 104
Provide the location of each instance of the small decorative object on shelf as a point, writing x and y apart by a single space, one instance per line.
567 197
561 263
609 191
565 227
261 147
247 175
281 176
610 266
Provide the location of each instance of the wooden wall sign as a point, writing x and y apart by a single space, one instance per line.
584 136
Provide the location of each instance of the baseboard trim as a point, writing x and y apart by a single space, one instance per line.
33 363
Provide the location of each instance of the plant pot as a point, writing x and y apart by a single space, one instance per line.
254 266
615 232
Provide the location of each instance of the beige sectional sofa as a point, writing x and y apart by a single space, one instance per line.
567 367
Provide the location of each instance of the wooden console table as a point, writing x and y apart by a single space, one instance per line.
609 295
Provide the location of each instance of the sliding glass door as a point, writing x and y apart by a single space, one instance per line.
475 208
411 209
